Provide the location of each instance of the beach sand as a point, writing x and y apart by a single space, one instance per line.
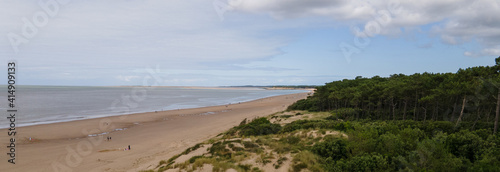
152 136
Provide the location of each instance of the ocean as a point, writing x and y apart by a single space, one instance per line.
50 104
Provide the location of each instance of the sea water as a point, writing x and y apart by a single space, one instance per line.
50 104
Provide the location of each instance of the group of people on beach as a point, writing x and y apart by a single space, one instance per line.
109 139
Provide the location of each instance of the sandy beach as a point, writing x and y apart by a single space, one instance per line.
153 136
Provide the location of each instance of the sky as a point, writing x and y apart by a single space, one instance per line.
241 42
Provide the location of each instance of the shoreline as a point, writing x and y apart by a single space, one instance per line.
125 115
78 116
157 135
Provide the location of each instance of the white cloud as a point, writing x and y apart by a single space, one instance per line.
339 9
495 51
107 38
150 31
456 21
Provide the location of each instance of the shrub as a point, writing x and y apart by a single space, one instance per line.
332 117
193 159
334 149
389 145
243 122
188 150
290 139
466 144
219 149
250 145
346 113
245 167
366 162
305 104
260 126
410 137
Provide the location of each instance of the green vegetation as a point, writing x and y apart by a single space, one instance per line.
280 86
470 94
259 126
363 145
421 122
332 150
411 145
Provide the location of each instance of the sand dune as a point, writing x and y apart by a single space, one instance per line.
154 136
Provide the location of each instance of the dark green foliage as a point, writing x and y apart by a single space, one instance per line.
305 104
332 117
219 149
431 140
193 159
243 122
366 162
409 146
173 158
372 146
259 126
290 140
334 149
421 97
467 144
286 116
298 167
256 169
238 149
347 113
245 167
250 145
191 149
235 148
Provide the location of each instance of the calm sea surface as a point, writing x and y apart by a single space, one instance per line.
49 104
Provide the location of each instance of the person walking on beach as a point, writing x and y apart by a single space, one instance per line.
128 147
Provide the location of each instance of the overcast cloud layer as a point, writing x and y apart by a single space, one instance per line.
112 42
